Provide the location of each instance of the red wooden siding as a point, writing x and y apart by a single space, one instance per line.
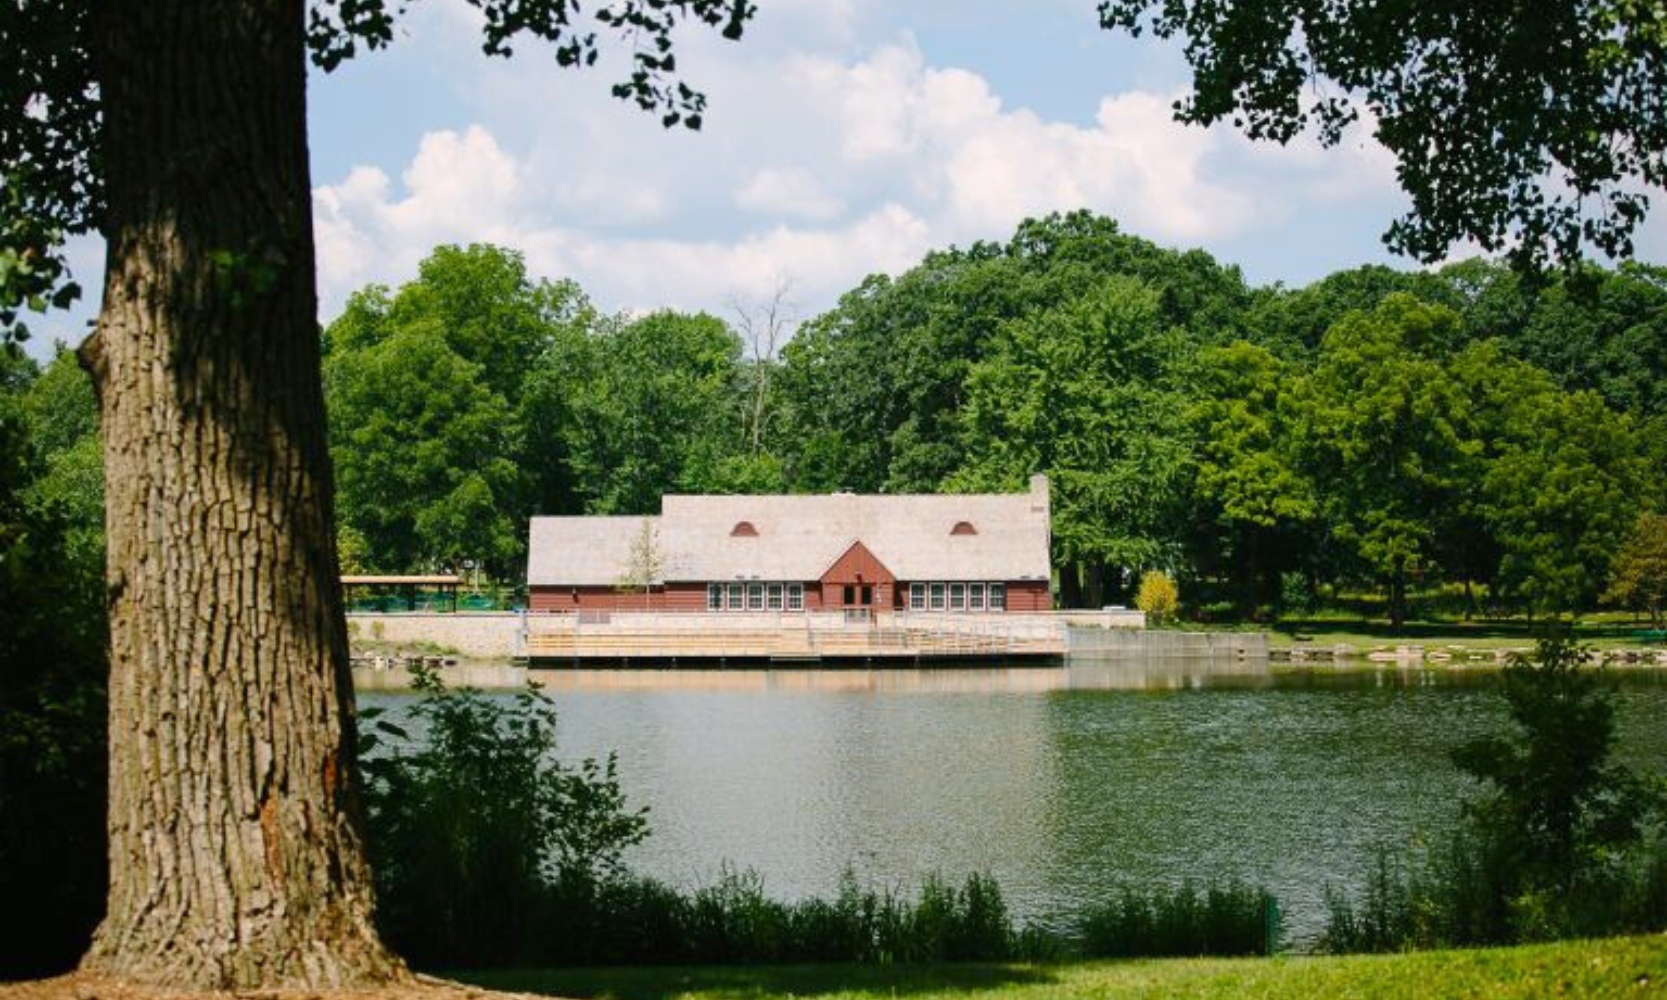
1022 595
674 597
858 567
1028 595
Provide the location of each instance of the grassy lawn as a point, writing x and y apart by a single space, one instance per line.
1616 967
1365 635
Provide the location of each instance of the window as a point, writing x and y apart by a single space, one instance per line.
998 597
975 597
795 597
917 597
963 528
714 597
867 595
957 597
776 592
737 596
850 595
755 597
743 529
937 597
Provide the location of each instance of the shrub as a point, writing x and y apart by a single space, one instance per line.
52 715
1229 919
1157 596
1561 843
473 826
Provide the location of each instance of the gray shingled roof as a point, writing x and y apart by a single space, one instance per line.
582 551
799 537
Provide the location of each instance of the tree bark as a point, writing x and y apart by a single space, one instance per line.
1397 594
236 853
1070 584
1094 584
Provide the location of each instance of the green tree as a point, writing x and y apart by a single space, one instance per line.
1638 575
62 419
1527 132
178 130
454 437
876 388
1092 394
1555 483
52 707
1255 506
422 454
1385 434
1293 322
1555 807
1605 331
645 408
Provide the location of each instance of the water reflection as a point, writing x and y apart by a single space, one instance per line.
1063 782
1090 673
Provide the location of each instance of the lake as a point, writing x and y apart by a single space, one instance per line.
1063 783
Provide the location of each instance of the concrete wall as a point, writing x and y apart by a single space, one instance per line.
482 636
491 676
1202 645
1104 618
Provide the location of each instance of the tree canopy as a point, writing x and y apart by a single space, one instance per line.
177 130
1534 130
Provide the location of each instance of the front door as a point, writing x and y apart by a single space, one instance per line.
857 581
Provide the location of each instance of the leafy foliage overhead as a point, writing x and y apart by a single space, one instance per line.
1528 128
51 116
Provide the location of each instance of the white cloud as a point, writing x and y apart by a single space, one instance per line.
794 191
816 166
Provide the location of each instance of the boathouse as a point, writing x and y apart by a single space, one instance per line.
948 553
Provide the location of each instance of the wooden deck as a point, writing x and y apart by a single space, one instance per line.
802 639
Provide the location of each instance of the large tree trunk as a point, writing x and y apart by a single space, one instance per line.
235 837
1397 595
1070 585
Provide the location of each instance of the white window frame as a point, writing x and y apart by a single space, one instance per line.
917 597
755 597
975 597
998 597
957 597
776 595
714 597
938 596
736 597
795 597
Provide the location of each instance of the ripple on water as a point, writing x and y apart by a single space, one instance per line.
1063 794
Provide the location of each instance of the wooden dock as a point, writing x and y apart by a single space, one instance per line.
790 639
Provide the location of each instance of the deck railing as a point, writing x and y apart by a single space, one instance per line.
788 635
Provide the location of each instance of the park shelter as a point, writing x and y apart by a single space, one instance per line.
864 553
401 591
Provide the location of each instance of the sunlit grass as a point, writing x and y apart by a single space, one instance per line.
1615 967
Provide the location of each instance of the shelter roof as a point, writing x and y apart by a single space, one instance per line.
589 551
800 537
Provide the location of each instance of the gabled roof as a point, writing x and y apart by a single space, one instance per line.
582 551
799 537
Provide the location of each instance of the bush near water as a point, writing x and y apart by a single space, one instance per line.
1560 842
489 852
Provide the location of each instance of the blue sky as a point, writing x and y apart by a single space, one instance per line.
843 137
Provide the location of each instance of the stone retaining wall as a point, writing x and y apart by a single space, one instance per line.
1201 645
490 635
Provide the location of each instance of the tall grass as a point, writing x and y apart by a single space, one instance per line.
1228 919
1467 894
1558 843
489 852
733 922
